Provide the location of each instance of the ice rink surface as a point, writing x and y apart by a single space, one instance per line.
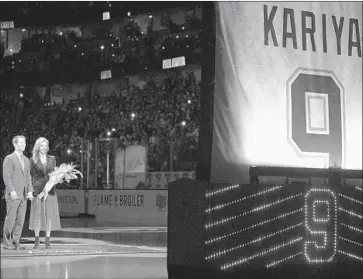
86 249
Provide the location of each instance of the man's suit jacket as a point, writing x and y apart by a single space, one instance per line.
15 178
39 174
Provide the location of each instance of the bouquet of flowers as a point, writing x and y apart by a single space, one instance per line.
65 172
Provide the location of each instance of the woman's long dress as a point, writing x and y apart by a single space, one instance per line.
43 212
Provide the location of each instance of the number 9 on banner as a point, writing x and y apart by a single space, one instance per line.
316 115
320 225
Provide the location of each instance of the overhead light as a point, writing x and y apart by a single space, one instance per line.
177 36
150 16
106 16
23 30
75 45
183 28
82 54
102 47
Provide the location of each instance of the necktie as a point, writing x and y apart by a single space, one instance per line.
22 161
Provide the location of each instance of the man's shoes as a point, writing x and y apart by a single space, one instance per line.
36 242
18 246
9 247
47 243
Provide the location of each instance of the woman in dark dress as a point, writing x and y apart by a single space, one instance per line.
44 214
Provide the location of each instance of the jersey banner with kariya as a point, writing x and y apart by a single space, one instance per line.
288 88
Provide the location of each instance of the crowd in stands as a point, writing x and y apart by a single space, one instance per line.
162 115
63 54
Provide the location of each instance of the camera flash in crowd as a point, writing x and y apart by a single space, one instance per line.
189 101
108 133
113 129
21 95
128 14
183 123
133 115
69 151
79 108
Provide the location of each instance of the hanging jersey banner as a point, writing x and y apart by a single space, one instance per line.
288 89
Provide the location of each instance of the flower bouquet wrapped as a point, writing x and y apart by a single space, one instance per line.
65 172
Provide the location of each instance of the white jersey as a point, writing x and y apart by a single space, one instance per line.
288 88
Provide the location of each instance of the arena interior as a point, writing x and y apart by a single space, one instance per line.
215 139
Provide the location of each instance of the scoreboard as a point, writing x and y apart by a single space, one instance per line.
273 226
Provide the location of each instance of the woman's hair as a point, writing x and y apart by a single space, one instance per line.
36 147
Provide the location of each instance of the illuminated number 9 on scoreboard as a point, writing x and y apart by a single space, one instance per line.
268 224
320 210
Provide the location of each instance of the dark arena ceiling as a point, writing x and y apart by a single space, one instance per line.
56 13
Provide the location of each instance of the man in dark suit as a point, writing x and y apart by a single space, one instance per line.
18 187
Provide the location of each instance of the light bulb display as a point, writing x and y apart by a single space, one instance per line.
272 225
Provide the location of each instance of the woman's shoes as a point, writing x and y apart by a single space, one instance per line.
47 243
36 242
